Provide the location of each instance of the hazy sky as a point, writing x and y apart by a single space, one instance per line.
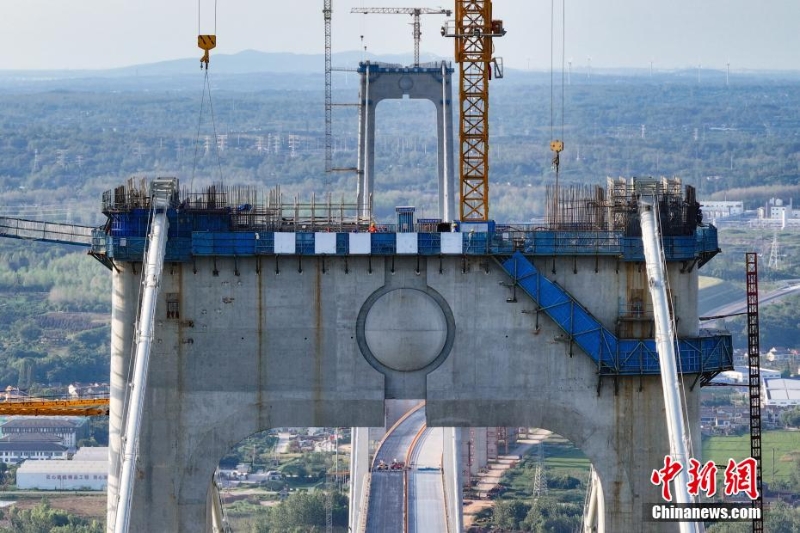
79 34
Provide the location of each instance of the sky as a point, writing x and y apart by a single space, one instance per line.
672 34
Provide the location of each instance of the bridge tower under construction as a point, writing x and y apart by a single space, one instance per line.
273 313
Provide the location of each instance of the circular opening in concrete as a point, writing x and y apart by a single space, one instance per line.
405 329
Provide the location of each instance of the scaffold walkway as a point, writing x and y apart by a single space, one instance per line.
705 355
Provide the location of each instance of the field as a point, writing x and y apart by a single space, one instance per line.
88 506
780 452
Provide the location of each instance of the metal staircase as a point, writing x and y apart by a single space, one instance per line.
705 355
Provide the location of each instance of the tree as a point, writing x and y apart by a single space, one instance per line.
791 417
44 519
303 512
782 519
509 514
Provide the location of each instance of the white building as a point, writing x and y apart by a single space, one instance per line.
63 475
91 453
17 452
740 375
714 209
776 209
780 392
68 430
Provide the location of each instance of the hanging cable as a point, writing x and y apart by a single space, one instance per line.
556 145
206 43
563 61
206 89
214 127
552 52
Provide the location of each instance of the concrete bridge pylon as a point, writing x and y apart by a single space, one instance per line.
432 82
244 353
260 323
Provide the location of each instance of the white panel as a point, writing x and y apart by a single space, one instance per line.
324 243
407 243
452 243
360 243
285 243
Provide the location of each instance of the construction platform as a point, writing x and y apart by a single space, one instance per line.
236 222
585 224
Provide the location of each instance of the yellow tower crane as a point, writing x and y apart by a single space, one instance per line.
474 31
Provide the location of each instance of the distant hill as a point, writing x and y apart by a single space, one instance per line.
245 62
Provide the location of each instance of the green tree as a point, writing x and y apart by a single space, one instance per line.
44 519
791 417
509 514
780 518
303 512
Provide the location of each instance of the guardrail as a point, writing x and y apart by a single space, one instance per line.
184 244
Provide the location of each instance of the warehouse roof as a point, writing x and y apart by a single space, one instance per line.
38 446
91 453
33 422
49 466
782 389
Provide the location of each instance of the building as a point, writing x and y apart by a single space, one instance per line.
68 430
63 475
13 452
740 375
780 392
713 210
91 453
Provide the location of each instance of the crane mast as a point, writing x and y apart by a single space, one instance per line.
473 32
327 10
413 11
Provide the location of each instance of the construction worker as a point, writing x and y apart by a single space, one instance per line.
372 228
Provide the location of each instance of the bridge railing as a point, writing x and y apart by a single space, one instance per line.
185 243
37 230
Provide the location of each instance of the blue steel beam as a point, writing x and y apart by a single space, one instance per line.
613 356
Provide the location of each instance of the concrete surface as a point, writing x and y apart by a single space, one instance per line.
255 351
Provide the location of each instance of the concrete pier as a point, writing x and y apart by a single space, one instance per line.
247 344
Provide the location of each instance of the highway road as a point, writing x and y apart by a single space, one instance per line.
426 505
387 490
741 306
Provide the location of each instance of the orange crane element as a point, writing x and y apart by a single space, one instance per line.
413 11
16 402
52 407
474 32
206 43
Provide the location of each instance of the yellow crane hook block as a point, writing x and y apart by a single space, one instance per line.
206 43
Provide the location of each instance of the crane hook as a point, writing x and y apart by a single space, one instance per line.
206 43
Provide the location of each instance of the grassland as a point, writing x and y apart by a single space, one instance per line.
780 452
